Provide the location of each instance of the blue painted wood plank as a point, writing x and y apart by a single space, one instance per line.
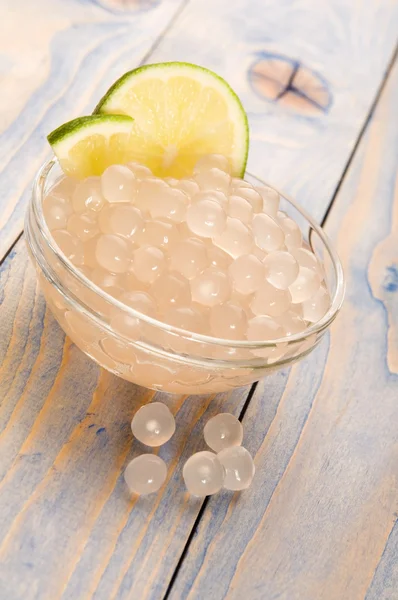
325 491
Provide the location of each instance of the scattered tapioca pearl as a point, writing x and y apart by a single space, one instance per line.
189 257
203 474
264 328
170 204
71 246
268 234
252 196
112 253
171 290
213 179
281 269
270 301
211 287
206 218
56 211
239 208
317 306
239 468
158 233
307 259
247 274
148 263
292 323
121 219
293 235
305 286
83 225
88 196
118 184
210 161
153 424
223 431
235 239
271 200
145 474
228 321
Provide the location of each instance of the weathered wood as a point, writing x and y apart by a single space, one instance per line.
67 526
318 521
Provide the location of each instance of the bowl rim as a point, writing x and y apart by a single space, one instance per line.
315 328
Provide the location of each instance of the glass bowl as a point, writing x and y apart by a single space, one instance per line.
154 354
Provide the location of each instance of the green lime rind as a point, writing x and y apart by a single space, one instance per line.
101 107
81 123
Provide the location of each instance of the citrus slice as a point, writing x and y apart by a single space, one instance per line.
181 112
88 145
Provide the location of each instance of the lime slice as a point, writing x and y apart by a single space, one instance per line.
88 145
181 112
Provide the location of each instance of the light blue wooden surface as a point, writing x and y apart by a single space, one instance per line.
67 528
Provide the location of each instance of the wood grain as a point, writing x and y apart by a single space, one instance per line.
319 519
67 527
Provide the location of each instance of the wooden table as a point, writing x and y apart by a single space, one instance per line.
320 85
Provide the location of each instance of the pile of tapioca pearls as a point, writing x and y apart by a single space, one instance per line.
230 466
210 254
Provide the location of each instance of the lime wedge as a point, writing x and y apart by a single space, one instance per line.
88 145
181 112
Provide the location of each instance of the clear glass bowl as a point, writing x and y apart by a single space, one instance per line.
151 353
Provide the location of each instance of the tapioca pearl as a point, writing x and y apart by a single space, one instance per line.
239 208
140 301
206 218
187 318
203 474
148 189
211 287
263 328
56 211
153 424
145 474
293 235
121 219
118 184
172 181
281 269
270 301
90 259
268 235
210 161
239 468
305 285
223 431
171 290
63 188
109 282
317 306
236 238
131 283
88 196
292 323
140 171
228 321
189 258
170 204
148 263
252 196
83 225
213 195
247 274
237 183
125 325
307 259
112 253
189 186
271 200
259 253
70 246
218 258
213 179
160 234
